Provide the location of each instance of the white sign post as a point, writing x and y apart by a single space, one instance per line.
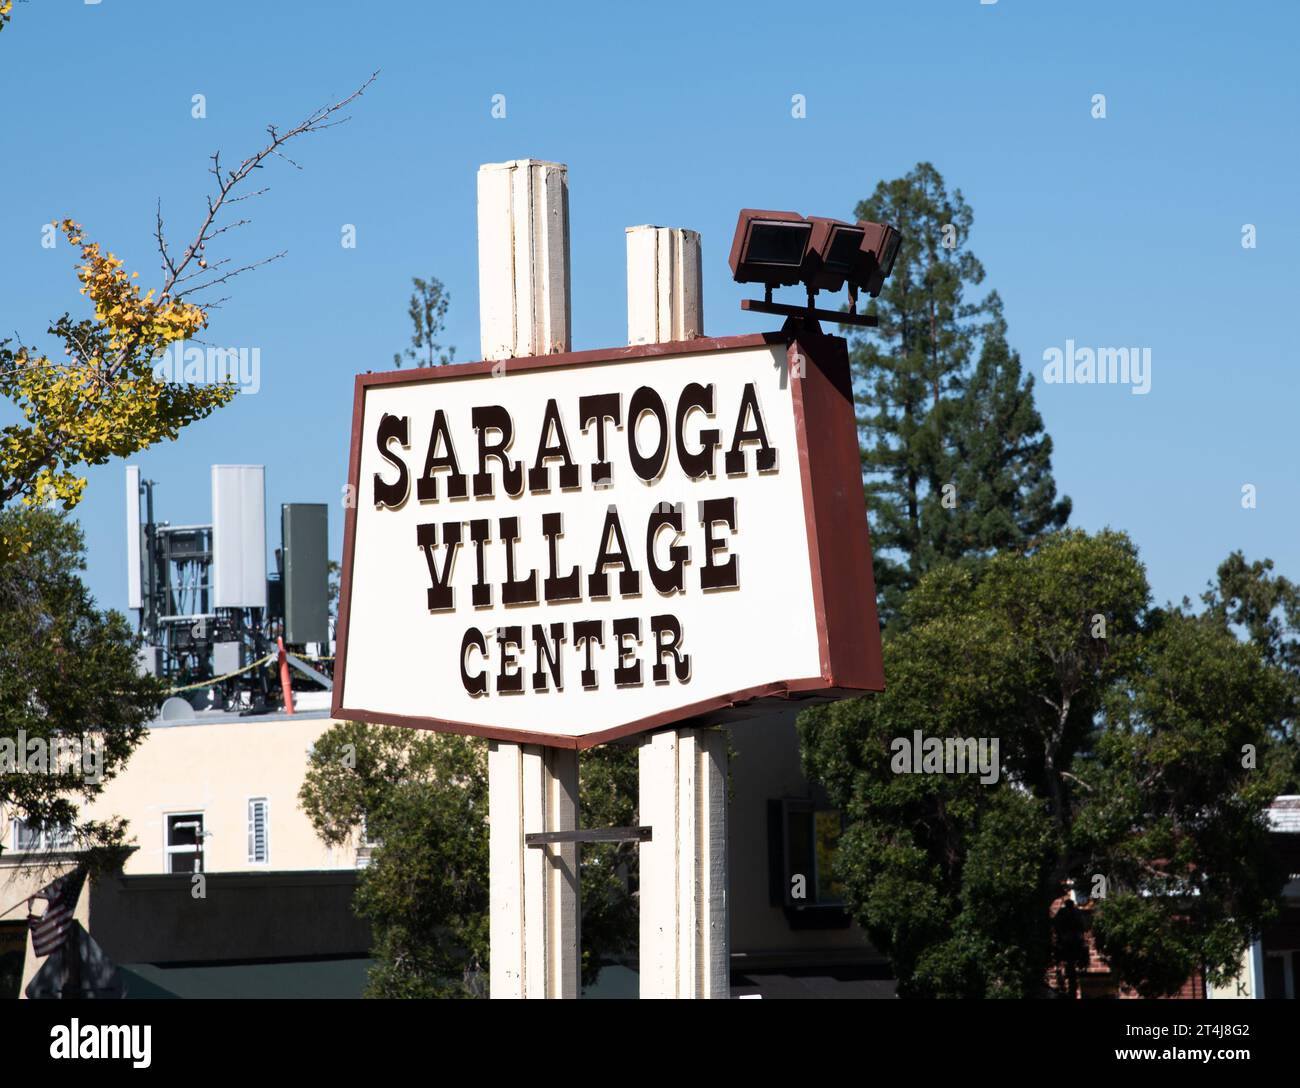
684 926
556 549
535 912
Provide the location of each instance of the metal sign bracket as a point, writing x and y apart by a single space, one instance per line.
589 834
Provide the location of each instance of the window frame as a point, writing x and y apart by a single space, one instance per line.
196 849
1287 958
802 913
44 840
265 802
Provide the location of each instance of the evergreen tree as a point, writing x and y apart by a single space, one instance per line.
922 403
428 313
1000 462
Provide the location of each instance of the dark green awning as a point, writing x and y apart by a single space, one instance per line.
293 979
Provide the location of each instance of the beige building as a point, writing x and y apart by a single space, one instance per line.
218 794
218 783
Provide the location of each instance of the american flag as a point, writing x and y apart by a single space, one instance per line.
50 928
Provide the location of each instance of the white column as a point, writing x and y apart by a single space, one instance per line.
523 258
1256 954
685 936
664 300
535 912
534 916
685 942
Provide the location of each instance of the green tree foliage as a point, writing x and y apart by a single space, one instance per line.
926 402
67 670
422 801
1248 597
607 792
999 462
1123 732
428 313
421 798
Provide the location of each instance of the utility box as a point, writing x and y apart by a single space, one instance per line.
149 661
304 530
225 658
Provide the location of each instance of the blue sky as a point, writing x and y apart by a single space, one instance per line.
1117 232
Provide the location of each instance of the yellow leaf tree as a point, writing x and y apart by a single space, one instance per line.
104 396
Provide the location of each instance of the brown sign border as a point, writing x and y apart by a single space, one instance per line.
834 512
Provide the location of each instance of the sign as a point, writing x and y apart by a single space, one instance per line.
567 549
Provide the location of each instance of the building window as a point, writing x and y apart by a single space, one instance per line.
1279 978
185 842
27 836
35 838
259 851
365 845
804 839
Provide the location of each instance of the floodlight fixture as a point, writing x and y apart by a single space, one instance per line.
836 253
770 248
880 246
784 248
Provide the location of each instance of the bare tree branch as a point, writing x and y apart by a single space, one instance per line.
177 272
168 267
314 122
233 273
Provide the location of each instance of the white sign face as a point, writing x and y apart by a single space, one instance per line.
565 553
